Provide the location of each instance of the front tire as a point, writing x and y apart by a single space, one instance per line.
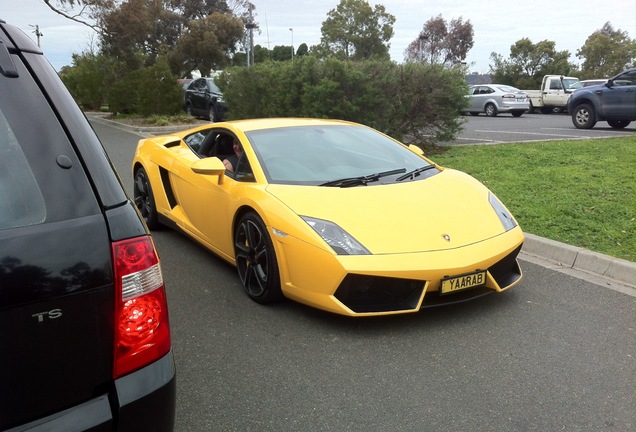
145 200
618 124
213 114
583 116
491 110
256 260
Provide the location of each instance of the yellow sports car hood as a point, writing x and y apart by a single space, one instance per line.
446 211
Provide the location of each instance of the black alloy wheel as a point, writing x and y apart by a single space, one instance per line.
144 199
256 260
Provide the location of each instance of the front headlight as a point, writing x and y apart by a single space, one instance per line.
340 241
504 215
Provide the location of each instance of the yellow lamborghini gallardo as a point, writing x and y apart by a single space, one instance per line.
332 214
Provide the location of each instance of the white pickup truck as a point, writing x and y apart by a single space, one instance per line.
554 94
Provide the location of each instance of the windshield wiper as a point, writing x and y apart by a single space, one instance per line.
412 174
362 180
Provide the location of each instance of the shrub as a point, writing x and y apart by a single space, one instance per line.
415 103
86 79
147 91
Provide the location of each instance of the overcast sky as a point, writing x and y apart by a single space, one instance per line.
497 24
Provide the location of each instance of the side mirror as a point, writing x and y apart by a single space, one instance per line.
212 166
415 149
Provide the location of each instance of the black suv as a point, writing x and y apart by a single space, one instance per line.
204 99
613 102
84 332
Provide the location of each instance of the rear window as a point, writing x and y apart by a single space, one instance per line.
42 180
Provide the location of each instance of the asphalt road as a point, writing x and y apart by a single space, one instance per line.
530 127
553 353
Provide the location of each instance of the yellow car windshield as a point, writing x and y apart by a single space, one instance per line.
332 155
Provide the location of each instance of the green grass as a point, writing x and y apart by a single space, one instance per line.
577 192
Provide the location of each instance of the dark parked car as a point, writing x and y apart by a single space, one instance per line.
204 99
613 102
84 332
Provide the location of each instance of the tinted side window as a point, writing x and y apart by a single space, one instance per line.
626 79
41 180
21 201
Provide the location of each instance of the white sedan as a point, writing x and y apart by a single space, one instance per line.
493 99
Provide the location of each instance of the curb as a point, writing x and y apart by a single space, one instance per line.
581 259
560 254
143 130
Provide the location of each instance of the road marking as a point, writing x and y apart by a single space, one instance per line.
529 133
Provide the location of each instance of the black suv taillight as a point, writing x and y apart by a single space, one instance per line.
142 331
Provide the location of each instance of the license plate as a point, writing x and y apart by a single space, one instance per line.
463 282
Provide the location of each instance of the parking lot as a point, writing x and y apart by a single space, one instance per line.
530 127
554 353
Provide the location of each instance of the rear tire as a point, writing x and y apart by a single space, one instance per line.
583 116
256 260
145 200
490 110
517 113
618 124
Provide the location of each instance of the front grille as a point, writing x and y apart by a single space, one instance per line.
362 293
507 271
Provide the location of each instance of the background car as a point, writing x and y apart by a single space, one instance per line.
612 102
204 99
78 269
331 214
592 82
184 83
493 99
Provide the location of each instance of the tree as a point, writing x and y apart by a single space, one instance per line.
282 53
440 42
355 31
91 12
193 34
528 62
207 44
606 52
88 79
139 26
302 50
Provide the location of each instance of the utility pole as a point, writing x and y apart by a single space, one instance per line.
38 35
250 25
423 38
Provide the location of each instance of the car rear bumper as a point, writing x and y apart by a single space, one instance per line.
143 400
514 106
